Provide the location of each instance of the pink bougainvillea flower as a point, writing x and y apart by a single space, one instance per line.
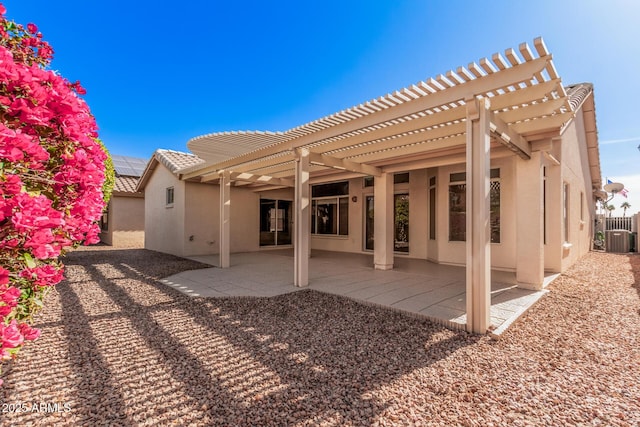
4 276
47 275
10 185
28 332
52 176
10 335
5 310
10 296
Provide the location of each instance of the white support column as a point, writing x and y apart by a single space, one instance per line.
529 222
478 226
302 219
383 221
225 220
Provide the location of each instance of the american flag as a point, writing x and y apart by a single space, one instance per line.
623 192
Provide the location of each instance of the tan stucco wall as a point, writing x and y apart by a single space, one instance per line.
203 219
191 226
575 172
126 222
553 212
127 213
420 247
164 226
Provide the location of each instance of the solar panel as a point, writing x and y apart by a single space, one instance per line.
128 166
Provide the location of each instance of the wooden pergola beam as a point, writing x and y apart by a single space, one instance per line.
343 164
509 138
249 177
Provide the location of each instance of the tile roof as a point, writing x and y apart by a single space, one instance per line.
176 160
172 160
577 94
126 184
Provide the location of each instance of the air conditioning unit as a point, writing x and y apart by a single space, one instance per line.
617 241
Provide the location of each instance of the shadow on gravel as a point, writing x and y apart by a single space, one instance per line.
300 358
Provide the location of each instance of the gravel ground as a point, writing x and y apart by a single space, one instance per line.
119 348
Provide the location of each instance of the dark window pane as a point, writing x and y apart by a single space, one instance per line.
344 216
326 216
314 211
368 181
462 176
457 212
401 215
267 222
401 178
458 207
458 177
170 196
495 211
331 189
432 213
369 223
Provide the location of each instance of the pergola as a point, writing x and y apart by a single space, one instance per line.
513 104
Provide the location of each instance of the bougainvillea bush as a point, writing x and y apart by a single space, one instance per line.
51 178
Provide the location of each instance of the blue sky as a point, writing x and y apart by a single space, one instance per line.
159 73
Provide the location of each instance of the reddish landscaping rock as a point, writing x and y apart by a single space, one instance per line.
120 348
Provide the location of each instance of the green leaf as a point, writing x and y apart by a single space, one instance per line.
28 259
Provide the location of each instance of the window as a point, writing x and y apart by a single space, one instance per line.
368 181
432 208
330 209
401 219
104 220
581 206
275 222
401 178
458 206
169 197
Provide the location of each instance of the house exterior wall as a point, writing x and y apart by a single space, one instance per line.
201 229
106 234
191 225
576 173
126 218
420 246
164 225
125 226
553 248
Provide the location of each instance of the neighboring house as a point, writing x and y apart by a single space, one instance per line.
494 165
122 223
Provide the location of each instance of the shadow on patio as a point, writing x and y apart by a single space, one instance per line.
420 287
123 349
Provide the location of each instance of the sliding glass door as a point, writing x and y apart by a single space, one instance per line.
275 222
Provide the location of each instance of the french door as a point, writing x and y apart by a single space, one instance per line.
401 222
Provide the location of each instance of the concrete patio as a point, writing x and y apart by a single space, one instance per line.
414 286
